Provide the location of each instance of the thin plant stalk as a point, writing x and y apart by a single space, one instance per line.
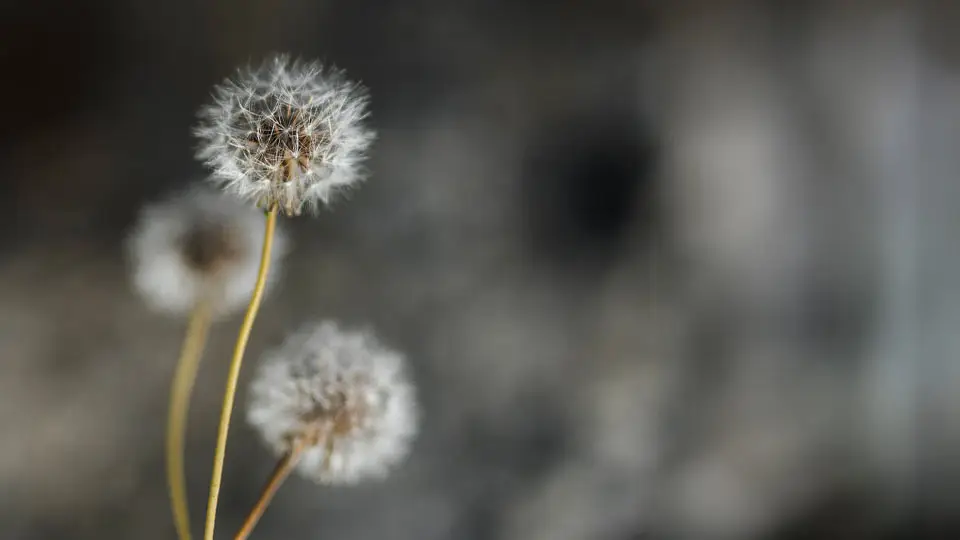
183 380
234 374
280 473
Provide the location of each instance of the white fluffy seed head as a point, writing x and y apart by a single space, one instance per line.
199 244
343 395
288 133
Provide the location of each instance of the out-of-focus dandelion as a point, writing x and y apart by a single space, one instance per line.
284 135
195 253
199 246
335 405
342 394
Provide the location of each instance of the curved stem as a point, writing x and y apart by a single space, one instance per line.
280 473
234 374
182 387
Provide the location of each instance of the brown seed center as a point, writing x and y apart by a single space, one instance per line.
333 421
283 142
207 248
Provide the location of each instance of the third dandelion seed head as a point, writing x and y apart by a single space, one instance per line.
286 133
342 396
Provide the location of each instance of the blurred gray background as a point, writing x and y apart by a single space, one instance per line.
663 270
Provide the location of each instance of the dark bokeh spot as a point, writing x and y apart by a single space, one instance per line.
588 182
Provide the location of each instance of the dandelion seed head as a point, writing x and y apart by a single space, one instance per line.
288 133
199 243
343 395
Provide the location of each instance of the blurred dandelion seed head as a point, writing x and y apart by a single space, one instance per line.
343 395
199 244
286 133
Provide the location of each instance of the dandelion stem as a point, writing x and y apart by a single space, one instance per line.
183 380
280 473
234 374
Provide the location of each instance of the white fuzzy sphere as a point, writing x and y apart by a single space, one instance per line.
288 133
160 259
323 375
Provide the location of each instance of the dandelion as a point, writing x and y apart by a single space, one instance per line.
342 394
198 246
335 405
195 253
286 133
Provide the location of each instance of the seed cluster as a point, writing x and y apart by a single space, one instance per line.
341 395
286 134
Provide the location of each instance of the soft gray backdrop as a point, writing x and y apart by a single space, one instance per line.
663 270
